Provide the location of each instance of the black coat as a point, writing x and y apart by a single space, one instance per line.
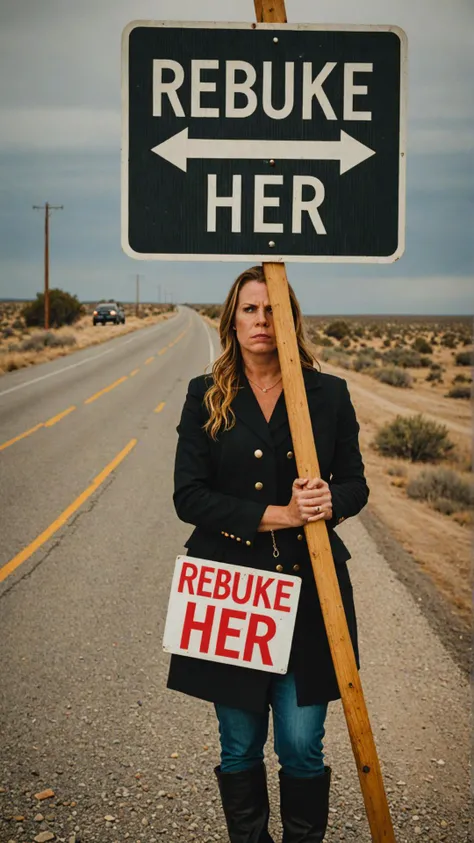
215 490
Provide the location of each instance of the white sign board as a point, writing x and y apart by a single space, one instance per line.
231 614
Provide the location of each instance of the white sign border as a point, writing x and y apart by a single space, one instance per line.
272 257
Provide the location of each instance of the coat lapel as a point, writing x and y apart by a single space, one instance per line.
247 408
279 424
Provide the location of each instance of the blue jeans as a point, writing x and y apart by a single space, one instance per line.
298 733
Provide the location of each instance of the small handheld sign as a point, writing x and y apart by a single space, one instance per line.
263 142
231 614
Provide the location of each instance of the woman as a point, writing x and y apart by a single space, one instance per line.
236 481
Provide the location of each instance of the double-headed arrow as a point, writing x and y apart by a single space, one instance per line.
347 150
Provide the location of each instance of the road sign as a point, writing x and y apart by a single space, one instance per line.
231 614
263 142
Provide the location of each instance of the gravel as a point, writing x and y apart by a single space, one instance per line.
84 711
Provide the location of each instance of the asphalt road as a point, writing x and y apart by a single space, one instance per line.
88 541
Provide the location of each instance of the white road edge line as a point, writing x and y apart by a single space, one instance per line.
212 353
72 366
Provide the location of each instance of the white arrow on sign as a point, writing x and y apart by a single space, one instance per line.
347 150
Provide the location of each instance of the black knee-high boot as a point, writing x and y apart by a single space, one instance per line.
304 806
245 801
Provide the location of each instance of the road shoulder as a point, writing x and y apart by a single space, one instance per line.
451 629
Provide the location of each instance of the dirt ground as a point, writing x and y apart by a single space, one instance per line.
441 545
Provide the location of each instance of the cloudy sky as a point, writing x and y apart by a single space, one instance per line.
60 142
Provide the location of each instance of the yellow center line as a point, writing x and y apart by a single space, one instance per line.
52 421
160 407
25 554
60 416
21 436
106 389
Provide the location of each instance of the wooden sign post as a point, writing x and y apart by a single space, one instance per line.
355 710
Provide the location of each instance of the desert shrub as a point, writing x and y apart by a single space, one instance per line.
441 484
359 331
404 357
8 332
397 471
393 376
213 311
434 376
337 357
462 379
373 352
387 342
449 340
362 361
422 346
459 392
12 364
326 342
345 342
414 438
62 340
464 358
436 367
445 506
64 309
46 339
36 342
338 329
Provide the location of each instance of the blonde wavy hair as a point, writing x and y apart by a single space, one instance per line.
228 368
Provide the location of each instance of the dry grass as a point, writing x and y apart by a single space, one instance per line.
440 543
14 335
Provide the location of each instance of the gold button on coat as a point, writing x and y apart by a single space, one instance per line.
296 567
248 543
300 537
258 486
290 455
279 568
258 453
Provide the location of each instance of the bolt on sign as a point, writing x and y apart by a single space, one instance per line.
231 614
263 142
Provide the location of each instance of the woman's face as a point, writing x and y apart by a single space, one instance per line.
253 319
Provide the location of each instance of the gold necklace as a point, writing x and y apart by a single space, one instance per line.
264 388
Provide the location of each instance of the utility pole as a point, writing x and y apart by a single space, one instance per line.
48 209
137 297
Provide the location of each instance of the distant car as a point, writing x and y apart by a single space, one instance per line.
109 312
